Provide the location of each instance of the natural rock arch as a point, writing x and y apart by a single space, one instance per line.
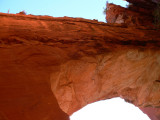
47 61
129 73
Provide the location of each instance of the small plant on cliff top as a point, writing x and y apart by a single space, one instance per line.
22 12
105 9
156 14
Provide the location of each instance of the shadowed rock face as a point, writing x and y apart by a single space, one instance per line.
50 63
152 112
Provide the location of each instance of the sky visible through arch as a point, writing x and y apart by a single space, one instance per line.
112 109
89 9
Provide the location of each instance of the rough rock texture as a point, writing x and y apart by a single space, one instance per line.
77 61
138 13
132 16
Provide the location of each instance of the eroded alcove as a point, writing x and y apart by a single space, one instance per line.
122 72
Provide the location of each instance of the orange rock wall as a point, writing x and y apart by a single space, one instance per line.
152 112
50 65
132 16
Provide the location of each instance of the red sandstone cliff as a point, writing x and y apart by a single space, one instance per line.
138 13
50 63
132 16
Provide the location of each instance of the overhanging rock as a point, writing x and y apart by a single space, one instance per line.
50 63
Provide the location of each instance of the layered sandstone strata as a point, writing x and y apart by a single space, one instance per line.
52 66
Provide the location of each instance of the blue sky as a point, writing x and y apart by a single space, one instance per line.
89 9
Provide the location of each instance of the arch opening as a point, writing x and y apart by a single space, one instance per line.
112 109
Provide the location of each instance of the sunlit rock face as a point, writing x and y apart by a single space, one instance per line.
51 63
137 13
131 16
132 74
